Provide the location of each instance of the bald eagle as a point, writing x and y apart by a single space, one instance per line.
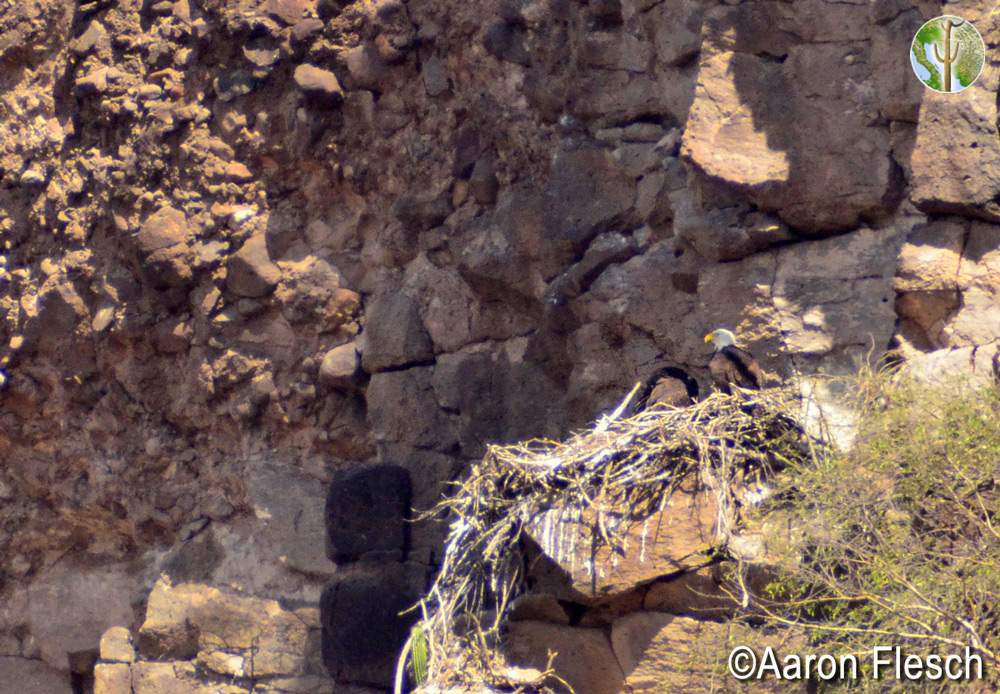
732 366
670 386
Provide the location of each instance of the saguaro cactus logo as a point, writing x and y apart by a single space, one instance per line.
947 54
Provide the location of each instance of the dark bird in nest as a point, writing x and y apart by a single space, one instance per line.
732 366
669 385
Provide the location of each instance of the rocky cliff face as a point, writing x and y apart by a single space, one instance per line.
248 246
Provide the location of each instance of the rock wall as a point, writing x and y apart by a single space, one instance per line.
248 246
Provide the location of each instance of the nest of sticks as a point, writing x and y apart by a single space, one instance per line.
621 470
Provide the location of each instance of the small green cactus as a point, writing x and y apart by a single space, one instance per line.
419 655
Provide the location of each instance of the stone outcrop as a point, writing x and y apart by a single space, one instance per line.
196 638
248 247
671 540
648 618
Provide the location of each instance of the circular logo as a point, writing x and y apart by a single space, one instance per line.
947 54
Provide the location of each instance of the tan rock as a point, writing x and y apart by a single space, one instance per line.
319 84
238 171
929 260
164 228
943 366
116 645
306 685
366 69
929 311
112 678
103 318
837 293
340 366
222 630
174 678
583 656
757 126
974 323
667 541
956 156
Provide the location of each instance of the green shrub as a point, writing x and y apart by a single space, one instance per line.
897 541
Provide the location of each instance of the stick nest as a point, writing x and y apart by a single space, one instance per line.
622 470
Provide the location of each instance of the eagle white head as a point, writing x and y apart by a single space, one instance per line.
720 337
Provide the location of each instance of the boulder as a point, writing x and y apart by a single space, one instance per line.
670 540
420 213
930 258
696 593
340 367
291 501
954 138
483 182
60 309
365 67
402 408
505 41
116 645
250 270
367 512
164 228
759 125
363 630
113 678
174 678
979 281
319 85
394 334
229 635
584 658
289 11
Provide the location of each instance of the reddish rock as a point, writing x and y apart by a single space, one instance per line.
663 543
237 171
164 228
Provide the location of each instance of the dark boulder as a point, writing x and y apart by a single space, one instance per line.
367 513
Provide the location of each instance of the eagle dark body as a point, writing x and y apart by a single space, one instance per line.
734 366
669 386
